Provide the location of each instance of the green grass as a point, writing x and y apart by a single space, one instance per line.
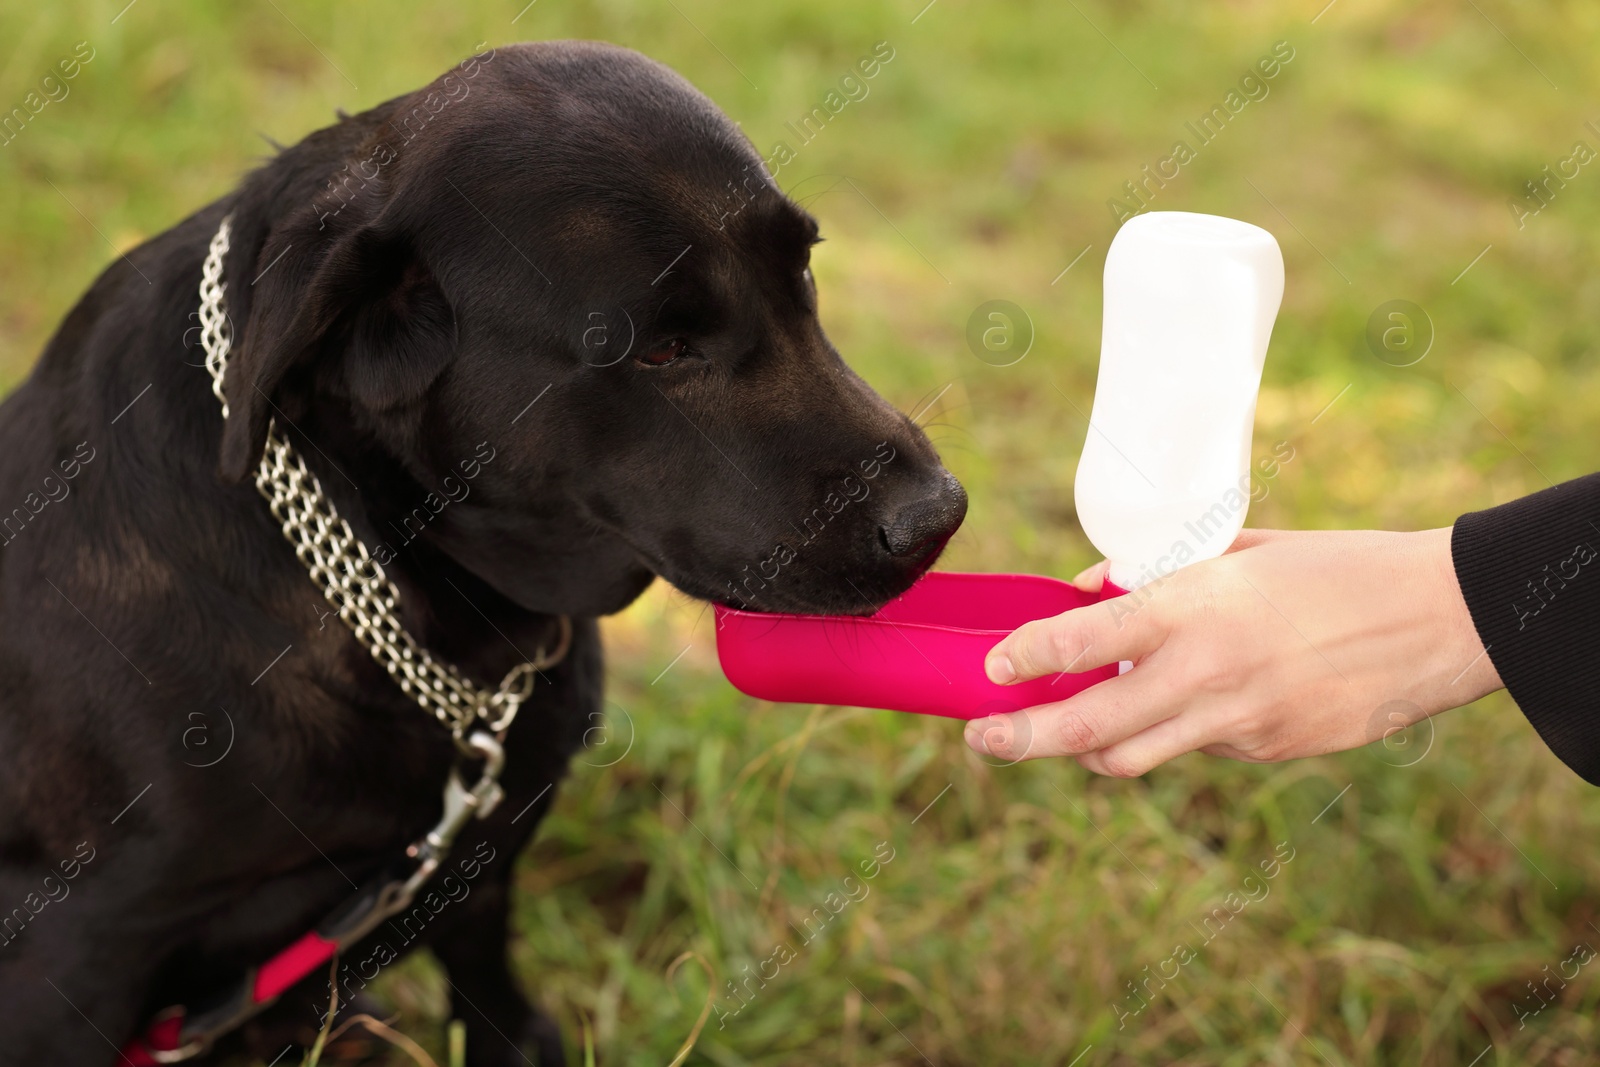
1021 902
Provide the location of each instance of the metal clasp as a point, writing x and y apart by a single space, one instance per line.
460 805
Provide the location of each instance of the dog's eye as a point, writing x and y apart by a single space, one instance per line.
661 355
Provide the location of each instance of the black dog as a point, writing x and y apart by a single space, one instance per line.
543 331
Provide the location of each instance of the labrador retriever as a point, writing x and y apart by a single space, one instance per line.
541 331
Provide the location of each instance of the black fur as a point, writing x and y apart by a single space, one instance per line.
401 286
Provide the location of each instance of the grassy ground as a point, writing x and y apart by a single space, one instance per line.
1433 883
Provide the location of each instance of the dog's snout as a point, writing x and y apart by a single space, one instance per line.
926 522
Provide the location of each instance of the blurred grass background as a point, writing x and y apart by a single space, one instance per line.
1436 881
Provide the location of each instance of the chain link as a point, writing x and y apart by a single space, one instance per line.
339 563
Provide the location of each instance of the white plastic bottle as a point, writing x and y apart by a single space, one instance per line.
1164 479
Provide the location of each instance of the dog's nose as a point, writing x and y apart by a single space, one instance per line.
927 521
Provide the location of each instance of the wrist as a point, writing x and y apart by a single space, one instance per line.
1470 672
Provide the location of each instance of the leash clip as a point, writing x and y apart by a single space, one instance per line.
460 805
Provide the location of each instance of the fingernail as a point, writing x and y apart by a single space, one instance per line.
1000 670
975 738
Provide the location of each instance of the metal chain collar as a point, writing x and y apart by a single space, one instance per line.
352 580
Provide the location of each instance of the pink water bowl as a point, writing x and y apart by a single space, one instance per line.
922 652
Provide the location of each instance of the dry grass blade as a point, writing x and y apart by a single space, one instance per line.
705 1011
315 1055
389 1034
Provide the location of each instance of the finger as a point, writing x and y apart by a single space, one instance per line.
1092 720
1077 640
1091 579
1142 752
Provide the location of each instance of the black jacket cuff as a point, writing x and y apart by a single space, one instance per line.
1530 573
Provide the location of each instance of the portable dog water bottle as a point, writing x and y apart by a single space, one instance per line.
1164 481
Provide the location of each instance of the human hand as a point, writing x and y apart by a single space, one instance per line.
1286 646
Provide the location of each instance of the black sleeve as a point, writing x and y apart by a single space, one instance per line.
1530 574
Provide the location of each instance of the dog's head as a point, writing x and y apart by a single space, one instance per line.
564 258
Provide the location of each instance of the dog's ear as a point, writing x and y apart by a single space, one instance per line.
368 304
